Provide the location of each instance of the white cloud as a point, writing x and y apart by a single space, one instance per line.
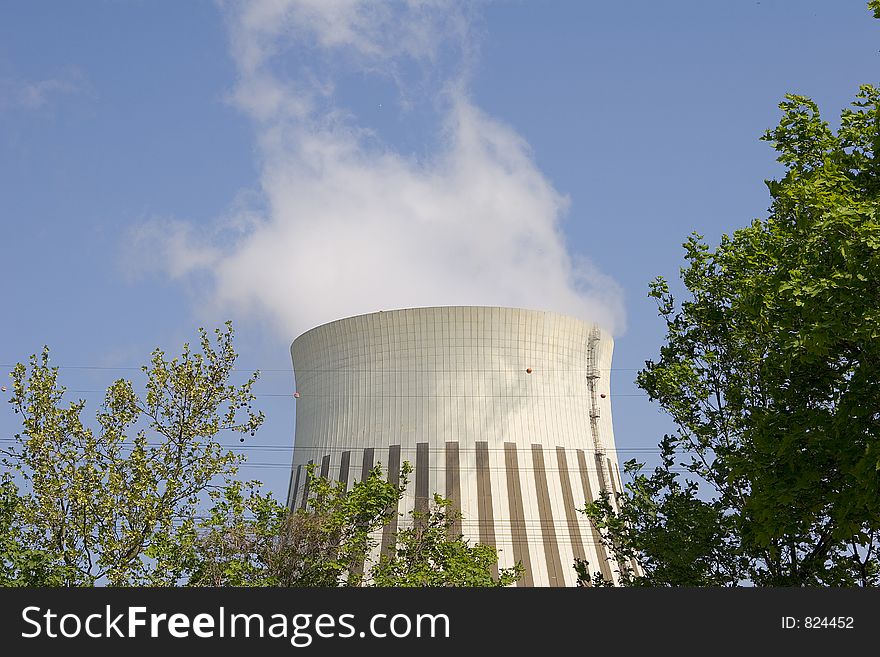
32 95
170 246
350 225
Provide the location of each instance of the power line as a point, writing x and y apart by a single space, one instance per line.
410 396
290 370
81 391
342 448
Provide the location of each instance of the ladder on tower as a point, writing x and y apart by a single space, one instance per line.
592 387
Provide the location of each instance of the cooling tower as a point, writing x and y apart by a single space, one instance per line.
505 411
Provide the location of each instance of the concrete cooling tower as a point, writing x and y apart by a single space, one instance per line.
505 411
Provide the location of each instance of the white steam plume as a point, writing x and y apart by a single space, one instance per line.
352 225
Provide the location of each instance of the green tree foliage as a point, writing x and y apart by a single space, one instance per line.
251 540
428 554
20 564
106 501
771 372
677 538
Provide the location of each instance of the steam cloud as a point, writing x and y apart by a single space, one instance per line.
350 224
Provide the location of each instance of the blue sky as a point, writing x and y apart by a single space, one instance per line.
168 165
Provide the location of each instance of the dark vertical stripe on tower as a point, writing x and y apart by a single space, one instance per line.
390 530
295 487
453 487
601 554
545 512
574 529
325 466
422 483
368 463
484 499
290 490
613 479
517 518
306 488
614 474
343 468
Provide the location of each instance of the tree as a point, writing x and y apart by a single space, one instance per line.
426 554
106 502
770 370
249 539
21 565
676 538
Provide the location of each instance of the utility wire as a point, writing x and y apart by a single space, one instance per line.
342 448
290 370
